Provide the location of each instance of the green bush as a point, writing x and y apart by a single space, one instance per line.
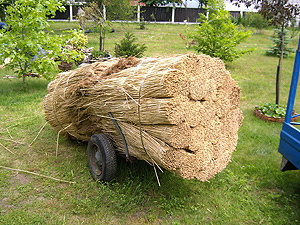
79 40
234 20
217 36
259 22
142 24
239 19
127 47
255 20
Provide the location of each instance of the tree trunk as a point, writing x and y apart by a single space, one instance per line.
24 79
279 68
103 41
100 40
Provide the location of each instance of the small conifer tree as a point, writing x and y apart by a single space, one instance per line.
127 47
276 49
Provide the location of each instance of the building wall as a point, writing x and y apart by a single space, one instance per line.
228 6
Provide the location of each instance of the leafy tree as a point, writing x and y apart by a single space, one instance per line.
127 47
217 36
119 10
2 9
93 15
29 48
247 20
259 22
255 20
280 13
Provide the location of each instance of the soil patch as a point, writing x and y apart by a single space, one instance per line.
20 179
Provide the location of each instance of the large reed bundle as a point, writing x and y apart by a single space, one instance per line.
180 113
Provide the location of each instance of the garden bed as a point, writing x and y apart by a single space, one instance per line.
258 113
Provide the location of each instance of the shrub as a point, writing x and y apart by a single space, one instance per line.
258 21
239 19
142 24
255 20
127 47
78 40
217 36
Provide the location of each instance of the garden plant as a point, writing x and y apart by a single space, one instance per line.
127 47
218 36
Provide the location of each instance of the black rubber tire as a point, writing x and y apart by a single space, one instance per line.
101 158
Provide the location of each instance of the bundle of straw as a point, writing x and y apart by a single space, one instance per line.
180 113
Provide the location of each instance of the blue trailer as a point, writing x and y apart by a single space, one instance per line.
289 145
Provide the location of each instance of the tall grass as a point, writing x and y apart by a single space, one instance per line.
251 190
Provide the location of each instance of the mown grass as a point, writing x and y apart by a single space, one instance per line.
251 190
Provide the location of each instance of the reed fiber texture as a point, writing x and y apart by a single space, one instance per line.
180 113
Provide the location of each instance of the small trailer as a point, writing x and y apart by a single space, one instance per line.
289 145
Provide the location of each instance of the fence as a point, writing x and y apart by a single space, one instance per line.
168 14
156 14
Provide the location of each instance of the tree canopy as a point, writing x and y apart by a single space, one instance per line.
26 44
278 11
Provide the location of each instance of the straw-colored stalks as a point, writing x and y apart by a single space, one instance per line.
180 113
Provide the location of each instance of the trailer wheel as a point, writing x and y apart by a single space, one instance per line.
101 158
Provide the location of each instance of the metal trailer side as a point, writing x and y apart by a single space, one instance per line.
289 145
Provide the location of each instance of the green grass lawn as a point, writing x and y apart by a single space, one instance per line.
160 39
251 190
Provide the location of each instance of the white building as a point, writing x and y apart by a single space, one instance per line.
228 6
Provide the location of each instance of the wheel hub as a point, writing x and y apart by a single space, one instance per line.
98 163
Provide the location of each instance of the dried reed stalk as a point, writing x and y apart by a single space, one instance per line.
36 174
